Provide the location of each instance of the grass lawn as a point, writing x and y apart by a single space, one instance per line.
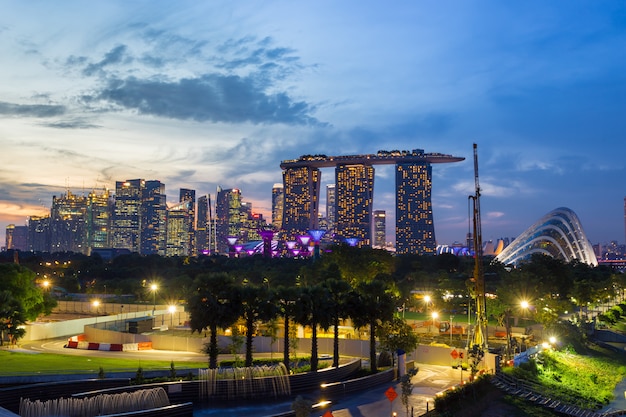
17 363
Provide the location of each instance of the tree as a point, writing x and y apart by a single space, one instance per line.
372 304
287 297
257 304
21 283
312 310
339 291
407 387
397 334
214 305
11 318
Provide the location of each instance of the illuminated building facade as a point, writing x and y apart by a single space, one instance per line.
153 218
415 228
189 196
98 219
331 210
227 216
354 186
414 216
17 237
278 203
126 226
558 234
203 225
39 233
68 231
301 189
179 220
380 229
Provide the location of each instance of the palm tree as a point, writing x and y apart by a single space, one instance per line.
286 299
338 291
312 310
214 305
372 304
257 304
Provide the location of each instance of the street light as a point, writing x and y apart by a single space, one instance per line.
435 316
154 289
172 310
96 303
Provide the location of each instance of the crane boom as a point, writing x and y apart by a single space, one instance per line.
480 329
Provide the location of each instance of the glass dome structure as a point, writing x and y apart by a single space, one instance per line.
558 234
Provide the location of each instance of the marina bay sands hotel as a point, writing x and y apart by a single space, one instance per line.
354 192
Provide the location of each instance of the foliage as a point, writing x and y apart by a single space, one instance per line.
21 283
407 387
577 379
172 375
139 376
301 406
397 334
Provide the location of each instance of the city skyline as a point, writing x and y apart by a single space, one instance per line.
205 95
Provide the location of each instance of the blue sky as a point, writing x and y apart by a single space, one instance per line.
201 94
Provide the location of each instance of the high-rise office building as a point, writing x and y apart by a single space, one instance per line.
380 229
625 220
126 226
153 218
189 196
98 223
227 216
68 232
278 202
203 225
17 237
179 219
354 186
415 230
331 208
301 189
39 233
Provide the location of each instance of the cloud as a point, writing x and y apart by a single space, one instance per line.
213 98
31 110
71 124
114 56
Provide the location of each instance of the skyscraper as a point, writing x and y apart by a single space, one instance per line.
203 225
189 196
414 218
278 203
301 188
331 208
39 233
98 224
179 219
355 192
380 229
415 230
17 237
68 232
227 216
127 214
153 218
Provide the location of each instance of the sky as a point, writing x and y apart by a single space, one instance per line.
217 93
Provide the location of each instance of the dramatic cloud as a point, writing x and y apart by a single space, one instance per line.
214 98
31 110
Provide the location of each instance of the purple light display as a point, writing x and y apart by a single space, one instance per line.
317 235
352 241
304 239
231 240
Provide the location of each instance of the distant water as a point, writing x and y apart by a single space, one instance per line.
619 403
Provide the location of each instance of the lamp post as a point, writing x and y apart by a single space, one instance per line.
172 310
154 289
451 318
96 303
435 316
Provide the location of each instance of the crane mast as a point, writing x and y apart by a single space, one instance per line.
479 337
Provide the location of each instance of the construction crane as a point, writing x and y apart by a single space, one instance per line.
479 336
